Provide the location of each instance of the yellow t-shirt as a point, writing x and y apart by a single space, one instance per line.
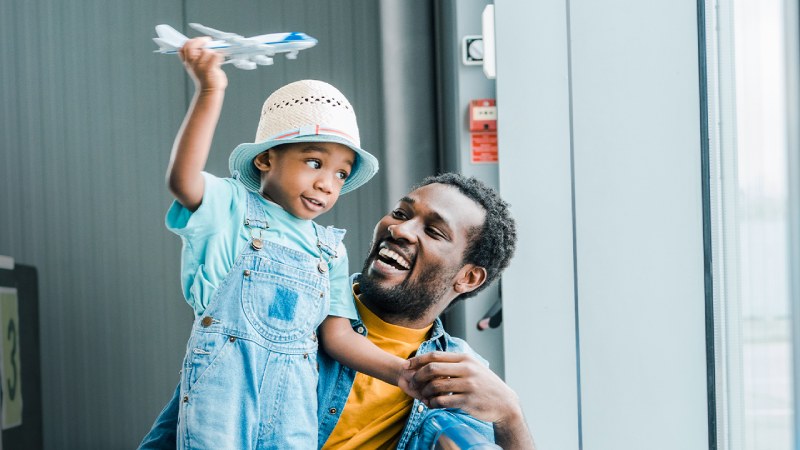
376 412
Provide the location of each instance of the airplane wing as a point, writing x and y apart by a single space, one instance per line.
216 34
230 38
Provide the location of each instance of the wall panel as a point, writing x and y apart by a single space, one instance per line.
88 116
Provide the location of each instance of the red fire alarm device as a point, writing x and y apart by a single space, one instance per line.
482 115
483 131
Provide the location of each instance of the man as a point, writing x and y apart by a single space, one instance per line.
445 241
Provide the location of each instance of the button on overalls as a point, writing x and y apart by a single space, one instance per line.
249 376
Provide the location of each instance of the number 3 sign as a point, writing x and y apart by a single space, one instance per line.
11 369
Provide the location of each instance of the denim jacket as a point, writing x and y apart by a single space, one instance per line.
336 381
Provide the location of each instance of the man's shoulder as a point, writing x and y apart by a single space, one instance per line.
458 345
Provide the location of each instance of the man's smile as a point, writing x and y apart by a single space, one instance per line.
392 257
390 260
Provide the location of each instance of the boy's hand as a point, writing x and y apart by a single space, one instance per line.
406 383
204 65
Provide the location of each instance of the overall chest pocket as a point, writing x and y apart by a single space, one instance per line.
280 305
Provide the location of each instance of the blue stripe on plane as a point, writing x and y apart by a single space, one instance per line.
294 36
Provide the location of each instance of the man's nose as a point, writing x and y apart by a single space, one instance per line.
404 231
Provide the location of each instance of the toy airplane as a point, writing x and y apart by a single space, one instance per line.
244 53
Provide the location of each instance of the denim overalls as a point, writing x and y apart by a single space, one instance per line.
249 377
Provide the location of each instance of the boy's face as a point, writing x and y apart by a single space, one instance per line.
305 178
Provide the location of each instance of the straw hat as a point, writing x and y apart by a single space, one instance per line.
304 111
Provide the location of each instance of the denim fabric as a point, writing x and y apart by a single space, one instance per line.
163 433
213 235
249 376
336 380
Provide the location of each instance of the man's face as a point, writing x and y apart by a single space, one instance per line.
418 251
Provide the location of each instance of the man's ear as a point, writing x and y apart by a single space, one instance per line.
470 277
261 161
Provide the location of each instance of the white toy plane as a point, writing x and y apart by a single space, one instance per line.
244 53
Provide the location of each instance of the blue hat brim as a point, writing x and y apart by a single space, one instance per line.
242 167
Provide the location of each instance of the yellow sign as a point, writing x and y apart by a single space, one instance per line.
11 369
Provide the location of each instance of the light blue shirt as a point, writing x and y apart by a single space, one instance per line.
214 235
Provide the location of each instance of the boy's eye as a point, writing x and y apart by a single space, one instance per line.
342 175
314 164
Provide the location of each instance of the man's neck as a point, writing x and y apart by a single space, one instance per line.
397 319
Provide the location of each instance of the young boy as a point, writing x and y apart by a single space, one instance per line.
259 273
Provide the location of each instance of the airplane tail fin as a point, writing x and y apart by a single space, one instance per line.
169 40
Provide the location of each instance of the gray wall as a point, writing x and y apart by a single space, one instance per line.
458 85
87 119
599 132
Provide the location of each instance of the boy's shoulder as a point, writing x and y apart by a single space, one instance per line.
226 190
229 182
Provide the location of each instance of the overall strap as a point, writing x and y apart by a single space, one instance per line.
329 239
255 216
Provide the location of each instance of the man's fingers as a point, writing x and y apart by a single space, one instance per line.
445 366
421 360
441 386
448 401
438 370
450 386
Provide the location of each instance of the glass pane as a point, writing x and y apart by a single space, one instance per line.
749 129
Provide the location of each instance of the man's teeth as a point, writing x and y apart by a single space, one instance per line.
314 201
394 256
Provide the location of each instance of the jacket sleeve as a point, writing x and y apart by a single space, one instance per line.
455 421
163 434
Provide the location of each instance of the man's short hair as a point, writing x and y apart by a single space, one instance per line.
493 244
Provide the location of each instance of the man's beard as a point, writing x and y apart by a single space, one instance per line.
408 300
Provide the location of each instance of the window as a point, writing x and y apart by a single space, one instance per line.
751 98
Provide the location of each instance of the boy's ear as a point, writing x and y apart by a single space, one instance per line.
470 277
261 161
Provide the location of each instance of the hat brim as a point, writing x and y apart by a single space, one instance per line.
242 167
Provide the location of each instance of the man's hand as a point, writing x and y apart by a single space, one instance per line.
457 380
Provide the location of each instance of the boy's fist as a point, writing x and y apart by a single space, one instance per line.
203 64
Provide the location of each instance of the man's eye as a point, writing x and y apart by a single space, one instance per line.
399 214
314 164
434 233
342 175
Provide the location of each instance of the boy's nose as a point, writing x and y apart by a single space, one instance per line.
323 183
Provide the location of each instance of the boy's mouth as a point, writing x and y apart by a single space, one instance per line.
313 203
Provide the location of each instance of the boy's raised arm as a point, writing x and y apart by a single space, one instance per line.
193 142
